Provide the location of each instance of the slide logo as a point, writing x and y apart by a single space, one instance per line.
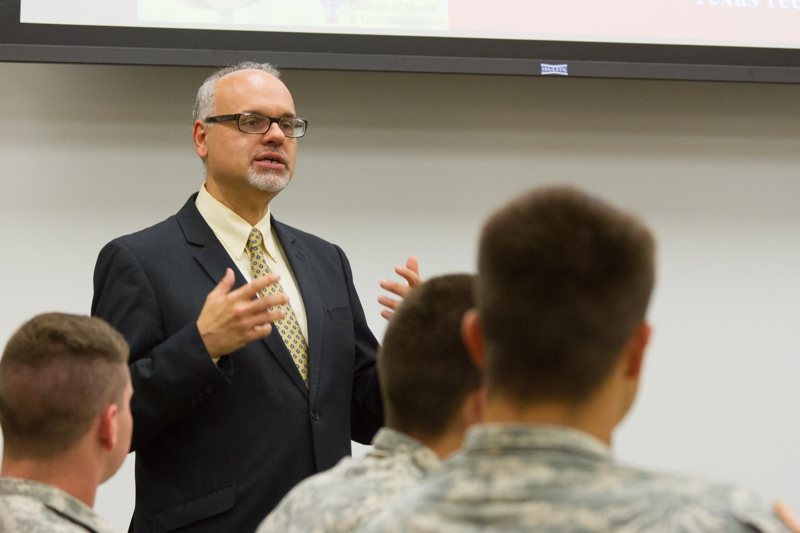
548 69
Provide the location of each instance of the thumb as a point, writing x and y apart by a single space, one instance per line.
225 284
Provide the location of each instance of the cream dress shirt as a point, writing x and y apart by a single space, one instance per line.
233 232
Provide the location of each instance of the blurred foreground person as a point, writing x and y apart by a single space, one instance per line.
564 282
431 395
65 395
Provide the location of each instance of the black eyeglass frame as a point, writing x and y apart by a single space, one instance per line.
272 120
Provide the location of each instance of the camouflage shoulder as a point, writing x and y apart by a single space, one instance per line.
21 513
726 508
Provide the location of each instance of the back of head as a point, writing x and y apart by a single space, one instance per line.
57 373
564 279
425 370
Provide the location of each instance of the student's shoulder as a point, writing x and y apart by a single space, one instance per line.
23 513
695 504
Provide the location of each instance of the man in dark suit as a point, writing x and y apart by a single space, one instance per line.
237 398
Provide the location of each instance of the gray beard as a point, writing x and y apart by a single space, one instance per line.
268 181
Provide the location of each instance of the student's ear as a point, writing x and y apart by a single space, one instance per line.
636 349
107 429
472 335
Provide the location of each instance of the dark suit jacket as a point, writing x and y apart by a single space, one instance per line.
217 446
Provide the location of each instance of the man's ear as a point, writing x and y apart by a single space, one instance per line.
636 348
107 429
199 132
472 335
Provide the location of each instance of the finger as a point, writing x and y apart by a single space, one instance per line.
263 329
260 319
787 516
389 302
387 314
257 332
411 276
260 305
413 265
247 292
397 288
225 284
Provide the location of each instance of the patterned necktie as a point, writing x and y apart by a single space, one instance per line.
288 328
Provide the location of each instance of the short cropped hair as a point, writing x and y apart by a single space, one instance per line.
57 373
425 370
204 103
563 281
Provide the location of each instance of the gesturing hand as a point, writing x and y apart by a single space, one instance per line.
787 516
411 273
231 319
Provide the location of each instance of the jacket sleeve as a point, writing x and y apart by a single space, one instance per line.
366 413
171 375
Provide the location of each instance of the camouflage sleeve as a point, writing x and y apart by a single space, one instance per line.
384 522
278 520
726 509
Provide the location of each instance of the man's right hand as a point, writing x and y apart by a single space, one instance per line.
231 319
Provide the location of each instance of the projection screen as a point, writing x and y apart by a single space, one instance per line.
755 40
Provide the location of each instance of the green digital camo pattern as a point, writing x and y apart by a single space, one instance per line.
514 478
31 507
340 499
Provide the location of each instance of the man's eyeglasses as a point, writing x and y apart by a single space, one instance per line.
259 124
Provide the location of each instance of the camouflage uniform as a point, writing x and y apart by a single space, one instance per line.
340 499
553 479
31 507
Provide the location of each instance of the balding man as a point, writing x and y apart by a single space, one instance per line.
251 357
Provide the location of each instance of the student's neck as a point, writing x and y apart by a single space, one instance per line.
70 474
446 443
596 418
248 202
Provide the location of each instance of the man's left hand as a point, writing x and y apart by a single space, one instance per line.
411 274
787 516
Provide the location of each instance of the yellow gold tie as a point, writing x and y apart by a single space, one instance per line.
288 328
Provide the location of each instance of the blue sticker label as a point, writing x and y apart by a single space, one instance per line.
561 70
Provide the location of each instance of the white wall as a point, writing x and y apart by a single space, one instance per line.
396 164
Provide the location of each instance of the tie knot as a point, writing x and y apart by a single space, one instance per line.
255 239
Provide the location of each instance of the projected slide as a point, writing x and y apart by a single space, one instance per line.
752 23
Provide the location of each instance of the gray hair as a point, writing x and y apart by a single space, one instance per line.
204 103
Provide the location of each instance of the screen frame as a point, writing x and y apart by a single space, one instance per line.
51 43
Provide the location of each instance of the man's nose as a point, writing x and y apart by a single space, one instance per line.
274 134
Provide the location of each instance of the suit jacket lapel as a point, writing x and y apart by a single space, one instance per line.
210 253
307 283
214 259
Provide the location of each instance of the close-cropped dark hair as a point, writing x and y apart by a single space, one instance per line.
425 370
57 373
563 281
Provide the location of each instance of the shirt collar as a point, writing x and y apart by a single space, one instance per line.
232 229
391 443
56 499
493 438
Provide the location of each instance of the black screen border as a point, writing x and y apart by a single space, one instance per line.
50 43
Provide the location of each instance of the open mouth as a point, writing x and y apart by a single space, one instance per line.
271 160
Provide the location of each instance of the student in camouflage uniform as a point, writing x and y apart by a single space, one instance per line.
431 393
564 282
65 391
